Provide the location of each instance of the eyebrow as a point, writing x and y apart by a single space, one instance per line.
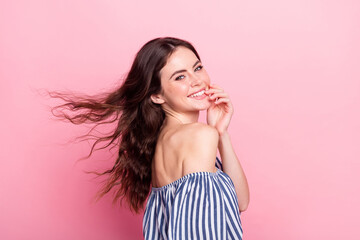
183 70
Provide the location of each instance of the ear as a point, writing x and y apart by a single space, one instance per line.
157 99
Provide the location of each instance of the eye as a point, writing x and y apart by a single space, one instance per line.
198 68
180 77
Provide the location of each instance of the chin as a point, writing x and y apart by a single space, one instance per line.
203 106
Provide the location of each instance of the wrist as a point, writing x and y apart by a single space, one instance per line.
223 135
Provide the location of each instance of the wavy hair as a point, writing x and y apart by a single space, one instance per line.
138 120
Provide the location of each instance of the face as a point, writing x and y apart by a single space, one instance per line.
183 80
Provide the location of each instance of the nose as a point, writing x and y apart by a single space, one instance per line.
195 80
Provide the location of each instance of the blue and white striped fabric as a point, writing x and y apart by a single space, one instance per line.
200 205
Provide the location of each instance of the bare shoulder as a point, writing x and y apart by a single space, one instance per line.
201 130
197 144
194 133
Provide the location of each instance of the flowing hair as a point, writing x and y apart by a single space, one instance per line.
138 120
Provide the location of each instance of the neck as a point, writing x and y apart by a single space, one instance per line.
176 118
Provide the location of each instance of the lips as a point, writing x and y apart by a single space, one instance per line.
203 89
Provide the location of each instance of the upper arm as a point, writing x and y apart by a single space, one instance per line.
199 147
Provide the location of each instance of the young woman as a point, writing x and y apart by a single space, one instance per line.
165 155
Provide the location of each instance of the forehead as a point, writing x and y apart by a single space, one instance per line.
181 58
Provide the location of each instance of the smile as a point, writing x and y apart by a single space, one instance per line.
198 94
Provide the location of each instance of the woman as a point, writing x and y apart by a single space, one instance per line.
165 154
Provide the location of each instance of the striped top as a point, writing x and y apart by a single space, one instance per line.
200 205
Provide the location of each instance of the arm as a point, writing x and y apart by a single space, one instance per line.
219 116
232 167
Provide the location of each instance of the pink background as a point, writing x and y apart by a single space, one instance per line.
290 67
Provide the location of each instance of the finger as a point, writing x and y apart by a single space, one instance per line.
227 104
219 95
211 85
215 86
222 100
213 90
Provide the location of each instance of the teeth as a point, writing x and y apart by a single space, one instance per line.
198 94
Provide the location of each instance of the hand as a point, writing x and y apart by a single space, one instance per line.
220 112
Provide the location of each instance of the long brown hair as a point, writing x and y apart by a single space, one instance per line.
138 120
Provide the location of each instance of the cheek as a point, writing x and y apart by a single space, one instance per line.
206 78
179 89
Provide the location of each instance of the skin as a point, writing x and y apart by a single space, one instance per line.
184 145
